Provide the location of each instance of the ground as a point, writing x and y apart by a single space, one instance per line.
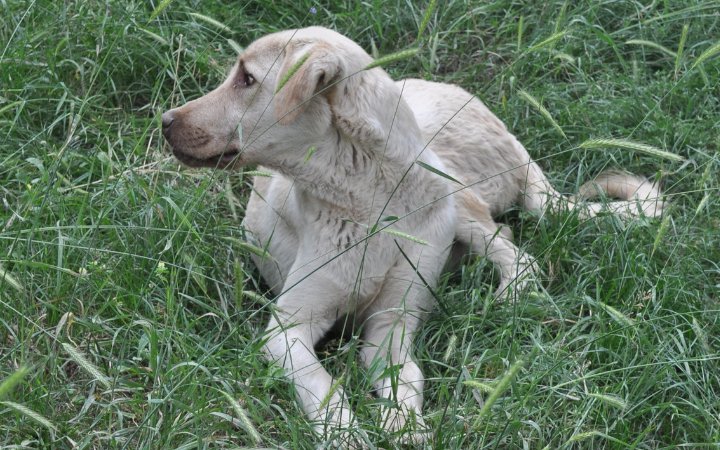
131 316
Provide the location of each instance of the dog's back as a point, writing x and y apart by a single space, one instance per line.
477 149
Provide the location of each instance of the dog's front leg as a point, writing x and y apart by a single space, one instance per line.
302 317
388 331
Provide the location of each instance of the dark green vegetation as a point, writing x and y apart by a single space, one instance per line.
127 296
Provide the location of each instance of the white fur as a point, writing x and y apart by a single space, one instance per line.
355 226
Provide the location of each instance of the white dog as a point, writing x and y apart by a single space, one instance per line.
360 212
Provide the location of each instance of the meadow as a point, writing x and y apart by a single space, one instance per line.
131 316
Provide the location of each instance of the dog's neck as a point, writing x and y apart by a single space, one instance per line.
353 176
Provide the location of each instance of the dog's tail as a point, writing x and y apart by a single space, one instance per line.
636 195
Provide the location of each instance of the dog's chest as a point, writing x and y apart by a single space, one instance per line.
340 242
330 227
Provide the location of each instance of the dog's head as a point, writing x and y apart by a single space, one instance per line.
284 93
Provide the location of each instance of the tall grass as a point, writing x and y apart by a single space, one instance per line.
131 317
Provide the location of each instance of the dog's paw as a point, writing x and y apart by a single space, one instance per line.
337 427
349 438
407 425
526 277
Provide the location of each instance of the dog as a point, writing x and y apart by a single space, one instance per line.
373 182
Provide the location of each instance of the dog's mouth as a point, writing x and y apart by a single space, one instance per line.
223 160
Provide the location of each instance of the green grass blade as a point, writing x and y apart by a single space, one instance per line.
89 367
702 336
293 69
653 45
595 433
619 317
681 48
254 296
560 18
11 106
707 54
60 259
520 32
392 58
497 392
406 236
480 386
235 46
154 36
451 347
426 17
311 151
7 278
257 173
210 21
662 231
160 8
336 385
611 400
245 422
550 41
183 218
437 171
630 145
248 247
702 204
541 109
29 413
10 382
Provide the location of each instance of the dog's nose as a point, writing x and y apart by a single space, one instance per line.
168 118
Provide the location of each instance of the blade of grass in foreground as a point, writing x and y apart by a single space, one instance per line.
541 109
499 389
659 237
160 8
10 382
243 417
27 412
156 37
89 367
393 57
707 54
294 68
549 41
210 21
630 145
5 277
426 18
654 45
681 49
235 46
437 171
619 317
591 434
406 236
612 400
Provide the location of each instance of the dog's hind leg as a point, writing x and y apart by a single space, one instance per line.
477 230
637 195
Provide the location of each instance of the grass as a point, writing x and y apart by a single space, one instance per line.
130 315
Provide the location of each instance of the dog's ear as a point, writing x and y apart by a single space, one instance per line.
304 73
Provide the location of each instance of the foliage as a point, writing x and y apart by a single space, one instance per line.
131 317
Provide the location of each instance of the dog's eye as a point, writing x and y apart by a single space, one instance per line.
244 79
248 80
